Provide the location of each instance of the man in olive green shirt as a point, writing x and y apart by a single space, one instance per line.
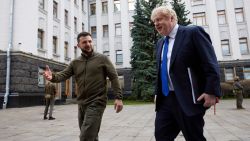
91 70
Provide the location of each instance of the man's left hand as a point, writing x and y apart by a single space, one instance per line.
118 105
210 100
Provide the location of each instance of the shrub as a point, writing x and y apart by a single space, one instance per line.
227 89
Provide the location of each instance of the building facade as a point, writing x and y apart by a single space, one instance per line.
228 24
45 31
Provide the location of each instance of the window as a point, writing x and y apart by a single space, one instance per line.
229 74
54 44
41 79
40 39
41 4
246 71
221 17
66 17
243 46
121 81
66 47
93 31
55 9
75 24
118 30
199 19
82 26
239 15
197 2
119 57
105 31
104 7
117 7
225 48
82 5
131 5
92 8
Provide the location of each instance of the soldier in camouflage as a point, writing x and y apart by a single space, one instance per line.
238 92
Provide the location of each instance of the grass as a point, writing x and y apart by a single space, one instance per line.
130 102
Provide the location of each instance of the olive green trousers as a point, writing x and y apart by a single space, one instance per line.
89 118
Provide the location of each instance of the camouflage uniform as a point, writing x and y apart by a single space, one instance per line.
50 89
238 92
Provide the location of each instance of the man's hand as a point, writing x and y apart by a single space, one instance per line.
118 105
47 73
210 100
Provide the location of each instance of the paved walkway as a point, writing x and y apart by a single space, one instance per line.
134 123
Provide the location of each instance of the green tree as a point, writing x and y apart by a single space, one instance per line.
142 52
181 12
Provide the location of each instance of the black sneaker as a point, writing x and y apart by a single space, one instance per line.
45 118
51 118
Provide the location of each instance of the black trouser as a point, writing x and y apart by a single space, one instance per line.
89 119
170 120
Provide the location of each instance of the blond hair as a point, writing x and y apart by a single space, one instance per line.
164 10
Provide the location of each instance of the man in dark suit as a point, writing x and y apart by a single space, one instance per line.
188 79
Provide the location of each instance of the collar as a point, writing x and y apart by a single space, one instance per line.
87 56
173 33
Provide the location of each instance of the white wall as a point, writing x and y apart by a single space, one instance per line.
4 24
25 26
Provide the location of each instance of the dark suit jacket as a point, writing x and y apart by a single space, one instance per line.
193 69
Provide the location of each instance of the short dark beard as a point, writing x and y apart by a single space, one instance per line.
87 53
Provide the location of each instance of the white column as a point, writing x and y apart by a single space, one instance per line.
214 28
99 26
247 18
62 32
72 30
234 38
49 43
111 31
125 33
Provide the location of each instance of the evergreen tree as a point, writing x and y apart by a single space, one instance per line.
179 8
142 52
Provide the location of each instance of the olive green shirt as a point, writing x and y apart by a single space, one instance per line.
91 77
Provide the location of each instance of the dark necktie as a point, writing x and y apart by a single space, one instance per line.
164 69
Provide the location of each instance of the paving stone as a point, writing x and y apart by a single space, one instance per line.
134 123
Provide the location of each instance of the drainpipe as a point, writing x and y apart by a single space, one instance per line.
8 54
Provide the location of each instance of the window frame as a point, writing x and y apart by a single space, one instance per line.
222 15
229 76
55 44
117 6
119 57
93 31
92 9
224 43
105 31
239 12
40 37
197 17
118 29
105 7
246 43
66 17
55 9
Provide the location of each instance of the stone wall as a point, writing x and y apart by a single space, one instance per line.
24 89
